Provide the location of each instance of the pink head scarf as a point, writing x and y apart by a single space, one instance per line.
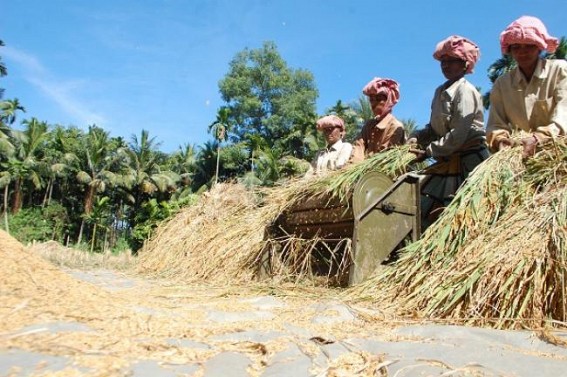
388 87
458 47
330 121
527 30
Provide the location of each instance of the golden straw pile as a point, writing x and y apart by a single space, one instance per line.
28 282
222 238
497 254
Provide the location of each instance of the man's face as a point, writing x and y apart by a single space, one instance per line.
332 134
378 103
453 68
524 54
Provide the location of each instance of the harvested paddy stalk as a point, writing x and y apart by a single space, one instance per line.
224 236
497 255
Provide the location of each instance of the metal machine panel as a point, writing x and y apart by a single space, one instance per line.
384 213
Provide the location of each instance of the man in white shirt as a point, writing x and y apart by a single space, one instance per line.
337 153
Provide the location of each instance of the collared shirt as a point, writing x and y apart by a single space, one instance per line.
331 158
538 106
457 119
377 136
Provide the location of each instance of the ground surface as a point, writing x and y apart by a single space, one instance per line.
69 322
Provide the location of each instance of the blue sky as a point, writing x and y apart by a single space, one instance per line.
128 65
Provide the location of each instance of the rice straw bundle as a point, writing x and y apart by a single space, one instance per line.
497 254
392 162
213 239
223 237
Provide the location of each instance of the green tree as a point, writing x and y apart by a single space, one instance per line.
256 144
100 165
145 178
60 156
3 70
183 162
219 128
362 113
266 97
560 52
8 114
24 166
9 109
99 217
205 166
410 125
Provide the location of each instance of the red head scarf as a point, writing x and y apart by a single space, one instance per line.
330 121
388 87
527 30
460 48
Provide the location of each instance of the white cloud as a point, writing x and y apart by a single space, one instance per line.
61 92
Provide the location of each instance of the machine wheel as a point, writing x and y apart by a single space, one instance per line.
370 187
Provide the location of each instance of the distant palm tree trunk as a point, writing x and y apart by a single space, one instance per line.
50 192
105 243
89 198
218 160
94 237
80 238
6 209
17 200
46 195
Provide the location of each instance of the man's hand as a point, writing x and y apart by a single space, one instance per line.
506 143
420 155
529 143
412 141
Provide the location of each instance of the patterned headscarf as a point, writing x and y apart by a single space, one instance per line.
388 87
460 48
330 121
527 30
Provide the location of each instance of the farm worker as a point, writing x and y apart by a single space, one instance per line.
337 152
384 130
531 97
455 136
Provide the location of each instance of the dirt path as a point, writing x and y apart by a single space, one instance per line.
105 323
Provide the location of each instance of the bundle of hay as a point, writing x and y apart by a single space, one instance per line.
498 253
223 237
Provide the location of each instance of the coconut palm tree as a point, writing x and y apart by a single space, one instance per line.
99 165
205 166
145 176
219 128
99 218
410 125
256 144
362 113
24 165
560 52
183 162
8 113
3 70
58 159
9 109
